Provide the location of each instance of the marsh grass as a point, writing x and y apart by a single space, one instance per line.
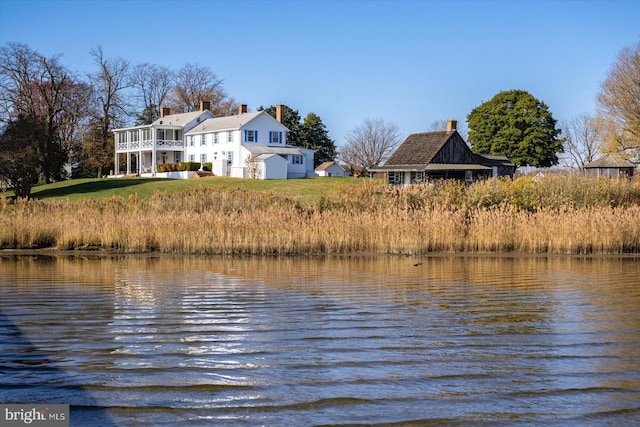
556 215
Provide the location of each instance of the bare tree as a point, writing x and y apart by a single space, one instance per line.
253 167
440 125
110 109
195 83
619 102
583 140
18 67
152 84
370 144
37 87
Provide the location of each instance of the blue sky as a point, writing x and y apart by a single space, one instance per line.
410 62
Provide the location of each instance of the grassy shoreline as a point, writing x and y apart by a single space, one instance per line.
558 215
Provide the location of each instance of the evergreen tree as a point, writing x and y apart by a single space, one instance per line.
291 119
311 133
21 153
314 135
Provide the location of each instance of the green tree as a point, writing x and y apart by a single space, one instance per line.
314 135
516 124
310 133
291 119
149 115
20 153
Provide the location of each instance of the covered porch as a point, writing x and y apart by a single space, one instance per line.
144 147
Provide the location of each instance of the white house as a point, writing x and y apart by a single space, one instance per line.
331 169
245 145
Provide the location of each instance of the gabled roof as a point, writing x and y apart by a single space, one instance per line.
181 119
327 165
265 156
229 123
610 161
419 149
439 151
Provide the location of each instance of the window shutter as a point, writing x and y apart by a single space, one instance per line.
270 137
245 135
255 139
280 139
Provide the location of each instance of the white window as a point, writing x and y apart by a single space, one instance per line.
203 139
275 137
203 158
192 157
215 155
230 136
215 138
191 140
230 156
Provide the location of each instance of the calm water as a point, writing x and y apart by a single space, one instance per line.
335 341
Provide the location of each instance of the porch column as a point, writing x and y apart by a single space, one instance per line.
154 161
128 163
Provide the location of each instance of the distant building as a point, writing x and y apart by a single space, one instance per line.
611 166
441 155
331 169
240 146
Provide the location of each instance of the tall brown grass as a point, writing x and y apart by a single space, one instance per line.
556 215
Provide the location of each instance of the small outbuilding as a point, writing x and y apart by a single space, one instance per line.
441 155
611 166
331 169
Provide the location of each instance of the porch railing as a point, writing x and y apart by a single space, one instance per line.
123 146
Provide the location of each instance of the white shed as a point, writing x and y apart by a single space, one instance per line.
331 169
269 166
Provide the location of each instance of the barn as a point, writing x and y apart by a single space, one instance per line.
441 155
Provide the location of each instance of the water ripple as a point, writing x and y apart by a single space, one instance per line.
460 341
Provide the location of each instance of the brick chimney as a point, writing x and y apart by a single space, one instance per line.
280 113
205 105
242 109
452 125
165 111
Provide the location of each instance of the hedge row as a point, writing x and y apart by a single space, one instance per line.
184 166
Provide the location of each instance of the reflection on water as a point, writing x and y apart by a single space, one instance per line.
333 341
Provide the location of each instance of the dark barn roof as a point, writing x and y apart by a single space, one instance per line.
419 148
439 151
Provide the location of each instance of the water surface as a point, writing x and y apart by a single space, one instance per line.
445 340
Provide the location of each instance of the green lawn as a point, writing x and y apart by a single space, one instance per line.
307 190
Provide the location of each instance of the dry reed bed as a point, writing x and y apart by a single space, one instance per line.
367 218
